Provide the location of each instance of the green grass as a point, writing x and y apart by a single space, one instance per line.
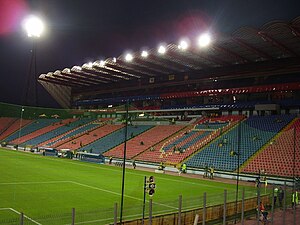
46 189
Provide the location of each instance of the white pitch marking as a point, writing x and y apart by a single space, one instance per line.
35 182
116 193
137 174
17 212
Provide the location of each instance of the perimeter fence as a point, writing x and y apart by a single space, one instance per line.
206 209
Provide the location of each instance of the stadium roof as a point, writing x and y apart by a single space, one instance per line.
247 52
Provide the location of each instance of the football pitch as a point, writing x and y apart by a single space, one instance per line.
46 189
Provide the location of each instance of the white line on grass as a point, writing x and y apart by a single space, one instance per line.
27 217
137 174
163 178
35 182
116 193
83 185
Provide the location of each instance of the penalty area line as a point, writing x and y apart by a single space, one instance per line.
19 213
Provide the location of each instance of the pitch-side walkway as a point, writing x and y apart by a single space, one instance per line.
278 218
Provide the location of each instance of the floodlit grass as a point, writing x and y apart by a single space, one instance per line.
46 189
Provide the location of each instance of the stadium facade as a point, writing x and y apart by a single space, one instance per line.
236 72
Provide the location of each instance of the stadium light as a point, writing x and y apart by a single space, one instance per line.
161 49
183 45
204 40
34 26
128 57
102 63
90 64
144 54
114 59
76 68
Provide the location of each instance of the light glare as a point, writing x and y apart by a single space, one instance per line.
102 63
183 45
144 54
128 57
161 50
33 26
204 40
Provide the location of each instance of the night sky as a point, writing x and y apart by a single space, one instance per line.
79 31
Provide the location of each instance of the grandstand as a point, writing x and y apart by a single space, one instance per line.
239 97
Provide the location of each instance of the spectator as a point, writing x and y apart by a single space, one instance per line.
257 181
212 172
280 196
295 199
275 195
133 164
161 166
205 171
263 212
183 168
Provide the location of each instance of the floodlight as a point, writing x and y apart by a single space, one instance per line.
144 54
162 49
183 45
68 70
128 57
204 40
114 59
90 64
102 63
33 26
76 68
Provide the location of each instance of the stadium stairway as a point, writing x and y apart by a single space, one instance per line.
115 138
74 123
190 140
30 128
256 131
41 131
89 137
201 139
5 123
91 140
14 128
75 133
144 141
153 154
277 158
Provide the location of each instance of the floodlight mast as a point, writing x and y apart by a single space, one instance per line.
124 160
34 28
